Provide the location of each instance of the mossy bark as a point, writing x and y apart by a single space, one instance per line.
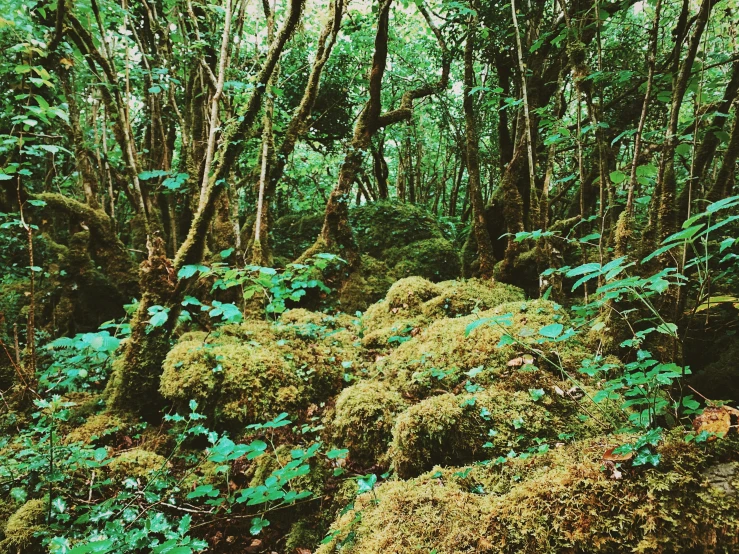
134 385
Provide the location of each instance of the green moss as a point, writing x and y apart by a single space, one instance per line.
136 464
22 526
379 226
461 298
440 355
413 303
293 234
366 284
251 372
435 259
559 502
97 427
363 421
458 429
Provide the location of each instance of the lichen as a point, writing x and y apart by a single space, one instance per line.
562 501
363 421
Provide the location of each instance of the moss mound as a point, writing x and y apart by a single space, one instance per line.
22 526
137 464
379 226
366 284
363 421
559 502
96 428
439 356
293 234
413 303
251 372
458 429
436 259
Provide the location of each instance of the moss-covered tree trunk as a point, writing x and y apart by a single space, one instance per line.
485 255
135 385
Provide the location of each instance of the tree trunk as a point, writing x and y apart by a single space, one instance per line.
485 255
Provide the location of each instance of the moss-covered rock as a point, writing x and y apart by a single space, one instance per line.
363 421
136 464
97 428
366 284
293 234
379 226
22 527
559 502
251 372
435 259
413 303
440 355
456 430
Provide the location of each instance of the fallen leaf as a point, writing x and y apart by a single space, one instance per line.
559 391
611 456
515 362
715 420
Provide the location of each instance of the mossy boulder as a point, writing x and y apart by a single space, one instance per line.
439 356
136 464
98 428
249 373
436 259
562 501
407 239
380 226
455 430
366 284
22 527
413 303
363 421
293 234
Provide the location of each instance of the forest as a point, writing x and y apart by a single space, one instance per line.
369 276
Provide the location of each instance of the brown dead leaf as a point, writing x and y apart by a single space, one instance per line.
715 420
559 391
415 331
611 456
66 62
515 362
302 551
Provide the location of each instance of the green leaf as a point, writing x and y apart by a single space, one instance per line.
337 453
552 331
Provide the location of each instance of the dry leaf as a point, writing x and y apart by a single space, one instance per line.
302 551
515 362
611 456
559 391
714 420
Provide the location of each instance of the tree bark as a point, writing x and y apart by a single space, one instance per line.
485 256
